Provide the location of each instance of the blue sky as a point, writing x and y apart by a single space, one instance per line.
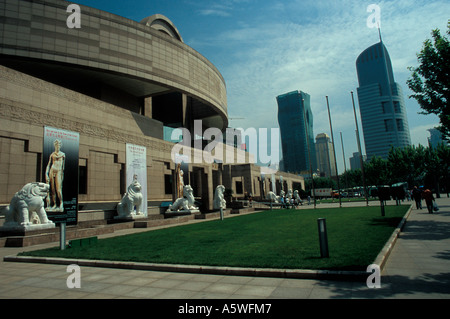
265 48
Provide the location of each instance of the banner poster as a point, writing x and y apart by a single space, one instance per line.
181 173
274 185
136 167
60 171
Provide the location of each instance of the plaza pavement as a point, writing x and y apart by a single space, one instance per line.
418 267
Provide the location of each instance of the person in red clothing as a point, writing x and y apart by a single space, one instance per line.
428 197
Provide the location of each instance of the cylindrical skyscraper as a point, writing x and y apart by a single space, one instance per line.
381 103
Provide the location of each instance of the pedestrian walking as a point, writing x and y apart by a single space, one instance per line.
429 198
417 195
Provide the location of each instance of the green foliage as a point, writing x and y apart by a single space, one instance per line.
430 81
416 165
320 182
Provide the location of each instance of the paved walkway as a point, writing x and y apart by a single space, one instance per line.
418 267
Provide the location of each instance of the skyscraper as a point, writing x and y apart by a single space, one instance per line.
296 127
325 155
355 161
381 103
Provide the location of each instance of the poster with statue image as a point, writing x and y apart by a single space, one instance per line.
136 172
181 173
60 171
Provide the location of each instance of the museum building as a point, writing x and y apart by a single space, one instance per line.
114 82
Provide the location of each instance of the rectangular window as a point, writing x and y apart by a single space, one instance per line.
82 179
239 189
168 184
397 108
389 125
400 125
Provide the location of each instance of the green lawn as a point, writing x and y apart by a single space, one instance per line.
270 239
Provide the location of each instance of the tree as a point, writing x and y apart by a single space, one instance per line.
430 81
320 182
376 171
443 153
407 164
432 169
351 178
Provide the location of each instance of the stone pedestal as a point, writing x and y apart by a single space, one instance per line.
130 217
14 227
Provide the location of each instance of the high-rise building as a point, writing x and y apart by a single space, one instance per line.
296 128
435 138
325 155
381 103
355 161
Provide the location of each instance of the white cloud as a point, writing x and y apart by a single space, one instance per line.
420 134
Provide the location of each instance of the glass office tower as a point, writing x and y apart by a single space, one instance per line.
381 103
296 128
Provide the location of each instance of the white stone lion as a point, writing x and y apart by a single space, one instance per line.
27 207
219 200
186 202
297 198
131 199
289 194
272 197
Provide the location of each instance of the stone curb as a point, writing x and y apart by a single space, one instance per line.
210 270
380 260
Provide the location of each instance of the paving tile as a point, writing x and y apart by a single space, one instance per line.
222 288
194 285
255 291
291 293
145 292
165 283
175 294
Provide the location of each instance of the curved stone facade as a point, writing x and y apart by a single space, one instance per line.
142 59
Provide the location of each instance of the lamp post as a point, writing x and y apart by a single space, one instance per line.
334 153
359 150
343 157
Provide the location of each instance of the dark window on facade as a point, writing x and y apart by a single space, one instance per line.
388 125
168 184
239 189
82 180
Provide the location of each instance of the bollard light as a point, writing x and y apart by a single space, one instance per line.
323 238
62 236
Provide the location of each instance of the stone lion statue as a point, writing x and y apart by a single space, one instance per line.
219 200
131 199
272 197
289 194
27 207
186 202
297 197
